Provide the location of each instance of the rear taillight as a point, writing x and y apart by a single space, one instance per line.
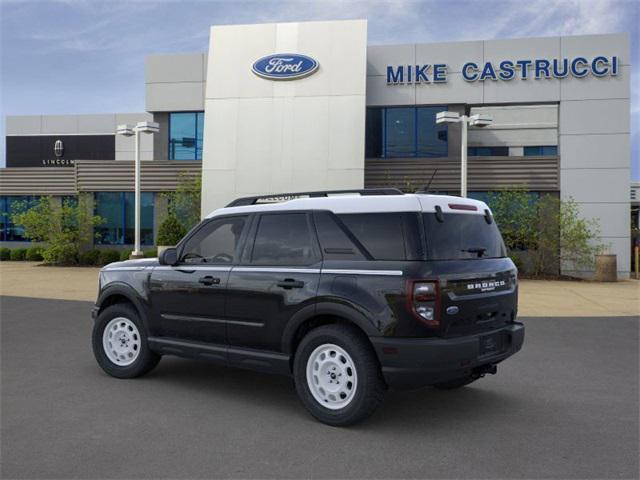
423 300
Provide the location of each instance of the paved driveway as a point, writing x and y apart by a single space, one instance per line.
566 406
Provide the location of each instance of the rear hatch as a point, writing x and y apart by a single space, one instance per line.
477 282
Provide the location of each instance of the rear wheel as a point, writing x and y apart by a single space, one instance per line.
120 343
457 383
337 375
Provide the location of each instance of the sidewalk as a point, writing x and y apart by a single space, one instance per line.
538 298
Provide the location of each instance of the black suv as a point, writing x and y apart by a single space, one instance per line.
350 293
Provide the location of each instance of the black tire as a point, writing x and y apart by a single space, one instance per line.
370 386
453 384
146 359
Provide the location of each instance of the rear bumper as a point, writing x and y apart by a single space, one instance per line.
412 363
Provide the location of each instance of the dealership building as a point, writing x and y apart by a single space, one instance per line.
289 107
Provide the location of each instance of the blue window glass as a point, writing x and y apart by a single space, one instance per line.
117 209
185 135
400 132
432 137
405 132
488 151
541 151
9 205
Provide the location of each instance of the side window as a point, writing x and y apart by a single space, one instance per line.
283 239
386 236
215 243
334 241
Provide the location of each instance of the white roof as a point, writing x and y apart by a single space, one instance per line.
364 204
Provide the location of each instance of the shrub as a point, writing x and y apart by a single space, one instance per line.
108 256
18 254
61 254
90 257
64 227
151 253
184 203
34 254
171 231
124 255
5 254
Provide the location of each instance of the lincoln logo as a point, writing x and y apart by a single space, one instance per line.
486 286
58 148
284 66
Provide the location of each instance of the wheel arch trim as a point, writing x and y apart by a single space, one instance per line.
308 313
124 290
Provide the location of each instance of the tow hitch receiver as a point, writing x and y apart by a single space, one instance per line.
482 370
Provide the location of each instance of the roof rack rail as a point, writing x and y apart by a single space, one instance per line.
283 197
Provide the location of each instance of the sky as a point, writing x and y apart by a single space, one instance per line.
87 56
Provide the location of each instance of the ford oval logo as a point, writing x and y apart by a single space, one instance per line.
285 66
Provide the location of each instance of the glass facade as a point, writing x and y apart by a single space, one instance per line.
9 232
185 135
405 132
117 209
541 151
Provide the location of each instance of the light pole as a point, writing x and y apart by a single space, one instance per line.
477 120
128 131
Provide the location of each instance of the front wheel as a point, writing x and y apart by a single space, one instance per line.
120 343
337 375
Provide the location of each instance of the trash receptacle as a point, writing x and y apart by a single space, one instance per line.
606 268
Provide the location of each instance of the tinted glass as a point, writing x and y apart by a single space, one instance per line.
539 151
462 236
385 236
334 239
432 137
488 151
400 132
185 135
117 211
214 243
10 232
283 239
374 132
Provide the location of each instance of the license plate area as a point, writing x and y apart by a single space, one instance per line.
491 344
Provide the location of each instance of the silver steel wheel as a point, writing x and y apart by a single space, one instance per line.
121 341
331 376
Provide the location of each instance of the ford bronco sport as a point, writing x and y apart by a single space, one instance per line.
350 293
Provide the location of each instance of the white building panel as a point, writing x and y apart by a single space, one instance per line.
595 151
269 136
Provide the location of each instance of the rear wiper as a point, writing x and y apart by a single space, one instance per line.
479 250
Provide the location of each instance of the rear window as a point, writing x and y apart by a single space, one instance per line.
461 236
386 236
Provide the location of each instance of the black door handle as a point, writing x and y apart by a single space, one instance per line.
209 280
289 283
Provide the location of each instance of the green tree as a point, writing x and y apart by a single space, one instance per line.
184 203
515 214
170 231
65 227
549 229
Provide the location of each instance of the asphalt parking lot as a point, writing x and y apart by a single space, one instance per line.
565 407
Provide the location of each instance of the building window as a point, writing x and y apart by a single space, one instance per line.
405 132
117 210
185 135
488 151
541 151
10 232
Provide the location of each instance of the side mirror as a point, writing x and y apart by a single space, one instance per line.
169 257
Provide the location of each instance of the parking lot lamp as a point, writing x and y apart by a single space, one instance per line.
477 120
128 131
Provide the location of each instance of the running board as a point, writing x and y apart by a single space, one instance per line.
249 358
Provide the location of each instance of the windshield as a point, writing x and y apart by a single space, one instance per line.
461 236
